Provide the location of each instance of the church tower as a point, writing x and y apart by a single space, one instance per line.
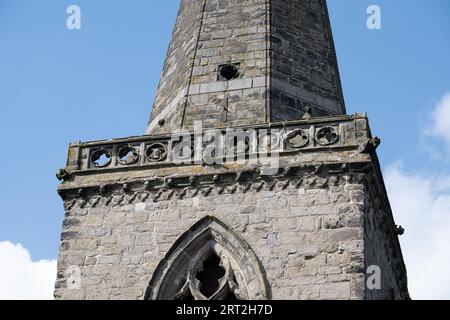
251 182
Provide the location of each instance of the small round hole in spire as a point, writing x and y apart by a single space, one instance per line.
229 71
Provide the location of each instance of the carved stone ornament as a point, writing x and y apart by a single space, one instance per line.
238 145
62 174
156 152
209 145
183 150
327 136
298 139
269 142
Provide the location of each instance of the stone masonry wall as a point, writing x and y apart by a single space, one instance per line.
175 77
380 248
309 240
284 54
303 60
210 34
233 32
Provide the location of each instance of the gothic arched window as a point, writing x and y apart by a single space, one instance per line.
209 262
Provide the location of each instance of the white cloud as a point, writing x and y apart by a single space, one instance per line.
440 120
23 279
422 205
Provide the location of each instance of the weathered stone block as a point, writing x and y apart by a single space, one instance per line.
336 291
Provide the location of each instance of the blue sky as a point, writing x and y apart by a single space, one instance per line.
58 86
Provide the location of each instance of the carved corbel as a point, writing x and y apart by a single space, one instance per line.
125 187
103 189
371 145
307 115
63 175
399 230
81 193
193 180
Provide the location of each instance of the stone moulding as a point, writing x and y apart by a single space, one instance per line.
174 278
226 182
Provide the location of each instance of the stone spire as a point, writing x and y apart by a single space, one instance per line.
233 63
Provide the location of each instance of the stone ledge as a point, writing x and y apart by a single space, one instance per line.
180 186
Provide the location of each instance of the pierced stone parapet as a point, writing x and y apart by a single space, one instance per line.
136 153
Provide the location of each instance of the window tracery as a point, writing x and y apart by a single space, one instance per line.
209 262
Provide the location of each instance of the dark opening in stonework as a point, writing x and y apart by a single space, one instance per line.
327 136
188 297
231 297
229 71
101 158
210 276
128 155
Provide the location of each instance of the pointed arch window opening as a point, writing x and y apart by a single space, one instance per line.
209 262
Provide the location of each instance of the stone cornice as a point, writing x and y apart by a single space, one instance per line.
186 186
